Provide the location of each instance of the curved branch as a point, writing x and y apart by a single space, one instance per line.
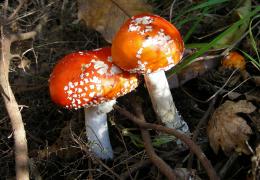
193 147
20 142
162 166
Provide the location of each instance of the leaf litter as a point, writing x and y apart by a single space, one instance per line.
227 130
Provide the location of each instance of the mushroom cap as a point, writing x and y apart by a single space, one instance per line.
88 78
147 43
234 60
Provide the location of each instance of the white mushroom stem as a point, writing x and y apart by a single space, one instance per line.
97 129
162 101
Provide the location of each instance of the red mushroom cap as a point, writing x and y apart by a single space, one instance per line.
147 43
83 79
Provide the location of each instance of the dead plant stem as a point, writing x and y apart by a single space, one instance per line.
19 134
157 161
193 147
20 142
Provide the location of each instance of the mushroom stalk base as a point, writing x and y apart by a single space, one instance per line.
162 101
97 129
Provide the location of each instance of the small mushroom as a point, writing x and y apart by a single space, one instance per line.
89 79
148 44
234 60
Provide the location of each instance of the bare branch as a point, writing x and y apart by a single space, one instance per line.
20 142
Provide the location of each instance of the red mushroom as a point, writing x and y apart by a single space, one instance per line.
90 80
150 45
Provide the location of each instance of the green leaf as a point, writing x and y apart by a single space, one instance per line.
236 33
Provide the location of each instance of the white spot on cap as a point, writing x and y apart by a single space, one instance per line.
79 90
71 85
91 94
115 70
86 80
100 66
69 92
136 23
91 86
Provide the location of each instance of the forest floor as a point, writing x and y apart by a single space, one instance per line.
57 143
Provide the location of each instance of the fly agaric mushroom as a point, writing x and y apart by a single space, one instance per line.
148 44
90 80
234 60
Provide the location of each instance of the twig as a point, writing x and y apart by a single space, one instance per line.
202 121
34 170
31 34
83 147
194 147
171 9
134 168
17 9
127 153
5 7
157 161
228 165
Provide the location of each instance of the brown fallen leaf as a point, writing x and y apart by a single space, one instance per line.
253 95
228 130
106 16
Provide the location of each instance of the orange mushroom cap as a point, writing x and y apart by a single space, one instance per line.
88 78
234 60
147 43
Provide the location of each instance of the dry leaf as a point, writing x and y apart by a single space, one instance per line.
107 16
256 122
253 95
228 130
